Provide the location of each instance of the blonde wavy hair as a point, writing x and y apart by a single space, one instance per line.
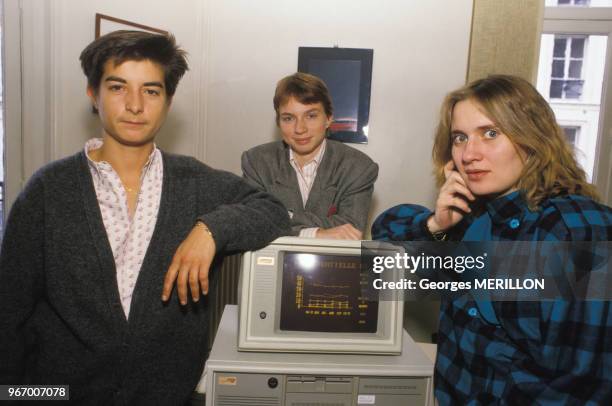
521 113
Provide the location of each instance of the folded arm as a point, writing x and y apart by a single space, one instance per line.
352 208
244 219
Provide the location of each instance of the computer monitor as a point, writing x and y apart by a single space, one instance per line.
312 295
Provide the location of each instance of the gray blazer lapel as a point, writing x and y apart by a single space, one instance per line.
286 183
323 181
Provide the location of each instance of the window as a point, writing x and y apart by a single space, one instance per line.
569 4
571 133
582 3
567 60
571 76
574 57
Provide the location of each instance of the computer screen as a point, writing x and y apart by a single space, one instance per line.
324 293
313 295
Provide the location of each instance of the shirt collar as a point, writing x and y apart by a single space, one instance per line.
504 208
95 143
316 159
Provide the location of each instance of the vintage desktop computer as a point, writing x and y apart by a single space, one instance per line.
310 331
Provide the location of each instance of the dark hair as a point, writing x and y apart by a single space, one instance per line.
121 46
306 88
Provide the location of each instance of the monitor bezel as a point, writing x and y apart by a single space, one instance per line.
387 339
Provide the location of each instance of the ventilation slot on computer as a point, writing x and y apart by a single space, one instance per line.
224 400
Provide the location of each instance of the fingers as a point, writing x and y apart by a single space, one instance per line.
170 278
190 266
181 284
459 203
342 232
452 176
461 189
450 199
454 188
191 279
351 232
194 283
453 200
203 279
449 168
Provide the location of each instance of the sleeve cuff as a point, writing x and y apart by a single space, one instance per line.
310 232
421 219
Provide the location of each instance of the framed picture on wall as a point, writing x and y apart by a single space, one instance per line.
347 72
106 24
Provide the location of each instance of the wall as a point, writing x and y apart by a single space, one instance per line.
505 38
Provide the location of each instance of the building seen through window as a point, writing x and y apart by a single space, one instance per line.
571 75
571 133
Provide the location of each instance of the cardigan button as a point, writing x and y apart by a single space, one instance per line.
514 223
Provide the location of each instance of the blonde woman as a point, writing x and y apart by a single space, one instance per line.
506 173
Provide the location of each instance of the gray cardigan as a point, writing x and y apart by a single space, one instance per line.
61 320
341 192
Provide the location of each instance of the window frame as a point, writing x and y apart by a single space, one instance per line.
13 142
567 61
592 21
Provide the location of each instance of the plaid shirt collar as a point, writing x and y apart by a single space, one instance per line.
505 208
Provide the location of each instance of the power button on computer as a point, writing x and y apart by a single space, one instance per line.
272 383
262 315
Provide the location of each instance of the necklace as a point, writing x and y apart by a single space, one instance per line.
129 189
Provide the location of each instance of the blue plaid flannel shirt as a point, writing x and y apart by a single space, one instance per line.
549 352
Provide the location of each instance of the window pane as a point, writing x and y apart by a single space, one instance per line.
577 3
559 50
573 89
570 134
556 89
558 68
575 69
577 47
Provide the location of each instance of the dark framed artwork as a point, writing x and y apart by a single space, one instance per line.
106 24
347 72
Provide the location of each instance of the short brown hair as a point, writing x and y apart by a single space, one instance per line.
521 113
306 88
